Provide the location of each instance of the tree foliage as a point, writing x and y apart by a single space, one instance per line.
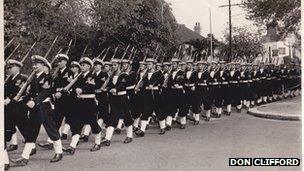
93 23
245 44
286 12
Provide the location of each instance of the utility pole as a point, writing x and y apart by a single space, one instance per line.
211 49
230 27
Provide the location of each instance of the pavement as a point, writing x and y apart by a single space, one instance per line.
207 146
287 109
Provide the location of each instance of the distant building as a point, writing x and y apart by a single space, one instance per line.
275 48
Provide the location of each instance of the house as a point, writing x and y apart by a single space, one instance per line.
277 49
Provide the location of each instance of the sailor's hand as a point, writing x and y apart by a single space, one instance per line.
78 91
58 95
7 101
30 104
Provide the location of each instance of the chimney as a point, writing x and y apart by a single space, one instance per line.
197 28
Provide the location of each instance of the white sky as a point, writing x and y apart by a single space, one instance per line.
189 12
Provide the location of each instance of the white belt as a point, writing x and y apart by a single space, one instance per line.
263 78
130 87
256 79
86 96
46 100
202 84
216 83
250 81
245 81
121 93
178 87
189 85
235 82
153 88
59 89
269 78
224 82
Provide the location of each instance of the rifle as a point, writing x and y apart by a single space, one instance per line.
68 87
105 55
12 52
125 53
28 53
131 54
141 80
156 50
23 59
69 47
165 84
146 54
84 51
48 52
105 84
115 51
32 75
101 53
9 43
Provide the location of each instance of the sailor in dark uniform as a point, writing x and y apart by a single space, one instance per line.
201 88
59 81
125 66
175 83
234 92
100 75
118 104
190 96
83 91
152 104
262 73
14 115
221 76
133 98
38 101
214 88
70 99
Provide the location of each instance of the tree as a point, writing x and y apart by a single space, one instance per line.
245 44
134 22
286 12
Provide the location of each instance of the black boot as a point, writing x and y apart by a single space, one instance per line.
117 131
56 158
20 161
140 133
34 151
162 132
6 166
135 129
195 122
96 147
48 146
12 147
128 140
168 128
85 138
207 119
105 142
69 150
64 136
182 126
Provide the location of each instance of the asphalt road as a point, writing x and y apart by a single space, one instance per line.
207 146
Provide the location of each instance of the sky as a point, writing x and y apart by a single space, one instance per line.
189 12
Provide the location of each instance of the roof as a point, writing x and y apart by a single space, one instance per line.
185 34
